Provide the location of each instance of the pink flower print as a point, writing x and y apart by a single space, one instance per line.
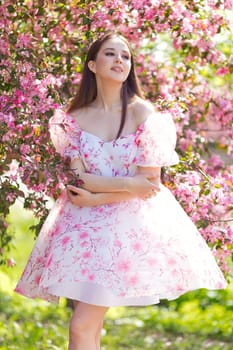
137 140
152 261
65 240
83 235
77 226
179 287
118 243
99 210
137 246
132 280
123 265
171 260
91 277
176 273
84 272
49 261
56 231
19 290
37 279
159 245
39 260
86 255
141 127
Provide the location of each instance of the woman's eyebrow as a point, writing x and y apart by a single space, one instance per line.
112 49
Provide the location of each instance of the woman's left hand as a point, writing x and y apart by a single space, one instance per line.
80 197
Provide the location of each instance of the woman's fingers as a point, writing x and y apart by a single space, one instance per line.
151 193
78 196
72 189
154 189
73 192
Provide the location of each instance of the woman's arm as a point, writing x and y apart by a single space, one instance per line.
138 185
86 198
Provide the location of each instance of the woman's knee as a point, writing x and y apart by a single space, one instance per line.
79 327
86 320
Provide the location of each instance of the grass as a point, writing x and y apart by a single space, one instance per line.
196 321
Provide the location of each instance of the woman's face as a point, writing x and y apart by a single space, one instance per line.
113 61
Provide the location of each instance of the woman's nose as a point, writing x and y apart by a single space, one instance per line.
118 58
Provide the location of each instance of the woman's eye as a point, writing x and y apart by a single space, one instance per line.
125 57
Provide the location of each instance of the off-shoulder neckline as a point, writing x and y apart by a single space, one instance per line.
139 129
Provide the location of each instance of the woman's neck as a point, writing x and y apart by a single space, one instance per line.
108 97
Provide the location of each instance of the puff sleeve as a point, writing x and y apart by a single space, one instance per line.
156 142
64 134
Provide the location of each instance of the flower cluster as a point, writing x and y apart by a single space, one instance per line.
184 65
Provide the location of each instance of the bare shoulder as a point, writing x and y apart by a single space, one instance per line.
81 115
141 109
78 113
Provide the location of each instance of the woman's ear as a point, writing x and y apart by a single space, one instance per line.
91 66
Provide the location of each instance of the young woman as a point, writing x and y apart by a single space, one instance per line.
121 239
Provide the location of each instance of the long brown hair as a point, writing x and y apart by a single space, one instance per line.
87 91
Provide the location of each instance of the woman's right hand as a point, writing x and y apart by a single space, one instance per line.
142 187
80 197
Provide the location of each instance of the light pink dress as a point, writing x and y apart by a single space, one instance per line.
136 252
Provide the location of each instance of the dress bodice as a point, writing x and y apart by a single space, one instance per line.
152 144
111 158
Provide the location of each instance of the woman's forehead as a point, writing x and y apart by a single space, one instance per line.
115 43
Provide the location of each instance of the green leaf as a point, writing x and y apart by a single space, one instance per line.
11 9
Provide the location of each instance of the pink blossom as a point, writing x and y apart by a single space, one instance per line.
187 26
222 71
24 40
10 197
11 262
4 47
25 149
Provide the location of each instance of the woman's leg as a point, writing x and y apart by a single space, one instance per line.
85 326
98 335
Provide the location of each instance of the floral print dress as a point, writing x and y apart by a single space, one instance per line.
135 252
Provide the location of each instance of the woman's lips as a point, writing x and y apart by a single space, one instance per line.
117 69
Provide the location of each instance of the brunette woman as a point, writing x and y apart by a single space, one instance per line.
121 239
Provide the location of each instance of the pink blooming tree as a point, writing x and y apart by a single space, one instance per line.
183 54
